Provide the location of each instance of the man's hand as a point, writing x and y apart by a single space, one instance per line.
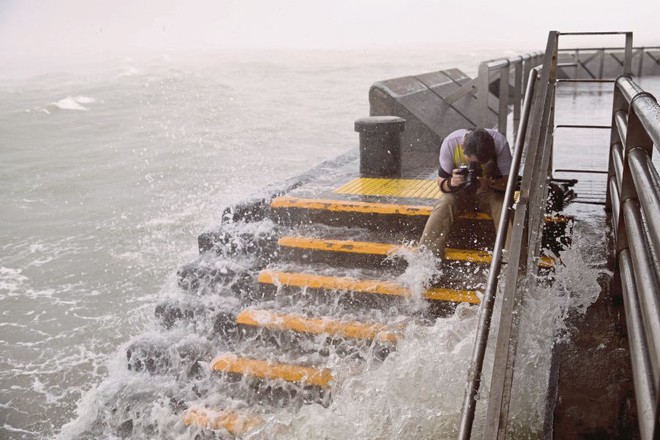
457 179
485 183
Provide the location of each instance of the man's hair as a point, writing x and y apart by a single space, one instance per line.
480 143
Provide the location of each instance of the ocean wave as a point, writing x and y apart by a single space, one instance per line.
72 103
11 279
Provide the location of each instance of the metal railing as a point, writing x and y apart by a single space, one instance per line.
592 62
534 144
509 92
512 75
534 147
634 198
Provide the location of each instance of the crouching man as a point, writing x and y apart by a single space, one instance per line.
473 174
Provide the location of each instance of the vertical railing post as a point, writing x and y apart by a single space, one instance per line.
517 93
627 63
503 110
483 82
619 103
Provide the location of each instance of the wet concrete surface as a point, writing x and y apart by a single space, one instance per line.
595 396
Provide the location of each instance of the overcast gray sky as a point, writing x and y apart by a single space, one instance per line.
51 28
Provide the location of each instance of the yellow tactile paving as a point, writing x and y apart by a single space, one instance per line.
363 286
413 188
235 422
229 363
410 188
302 324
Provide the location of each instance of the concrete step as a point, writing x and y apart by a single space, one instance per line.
312 246
340 212
268 370
362 286
380 214
328 250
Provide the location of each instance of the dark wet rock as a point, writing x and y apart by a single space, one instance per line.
125 429
224 242
225 325
250 210
168 314
148 356
203 278
159 357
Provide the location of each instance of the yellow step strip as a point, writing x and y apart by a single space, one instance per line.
385 249
234 422
371 248
362 286
228 363
364 207
378 208
302 324
350 206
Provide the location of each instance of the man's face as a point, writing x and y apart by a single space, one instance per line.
471 158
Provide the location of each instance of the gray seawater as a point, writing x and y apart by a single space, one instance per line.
108 173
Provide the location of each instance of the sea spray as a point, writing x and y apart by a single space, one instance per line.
413 394
544 323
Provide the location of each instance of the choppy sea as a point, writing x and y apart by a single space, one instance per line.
108 174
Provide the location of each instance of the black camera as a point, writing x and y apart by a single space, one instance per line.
472 173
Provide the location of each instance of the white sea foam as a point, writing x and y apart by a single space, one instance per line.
11 280
72 103
414 394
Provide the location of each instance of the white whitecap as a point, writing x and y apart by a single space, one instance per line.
84 99
72 103
11 280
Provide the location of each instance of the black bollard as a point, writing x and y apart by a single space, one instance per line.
380 145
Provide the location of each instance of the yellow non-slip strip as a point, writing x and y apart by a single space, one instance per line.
371 248
349 246
379 208
362 286
413 188
351 206
271 370
235 422
302 324
385 249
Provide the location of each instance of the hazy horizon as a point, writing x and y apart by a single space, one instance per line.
37 35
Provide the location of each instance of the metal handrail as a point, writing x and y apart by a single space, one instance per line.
634 198
488 300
